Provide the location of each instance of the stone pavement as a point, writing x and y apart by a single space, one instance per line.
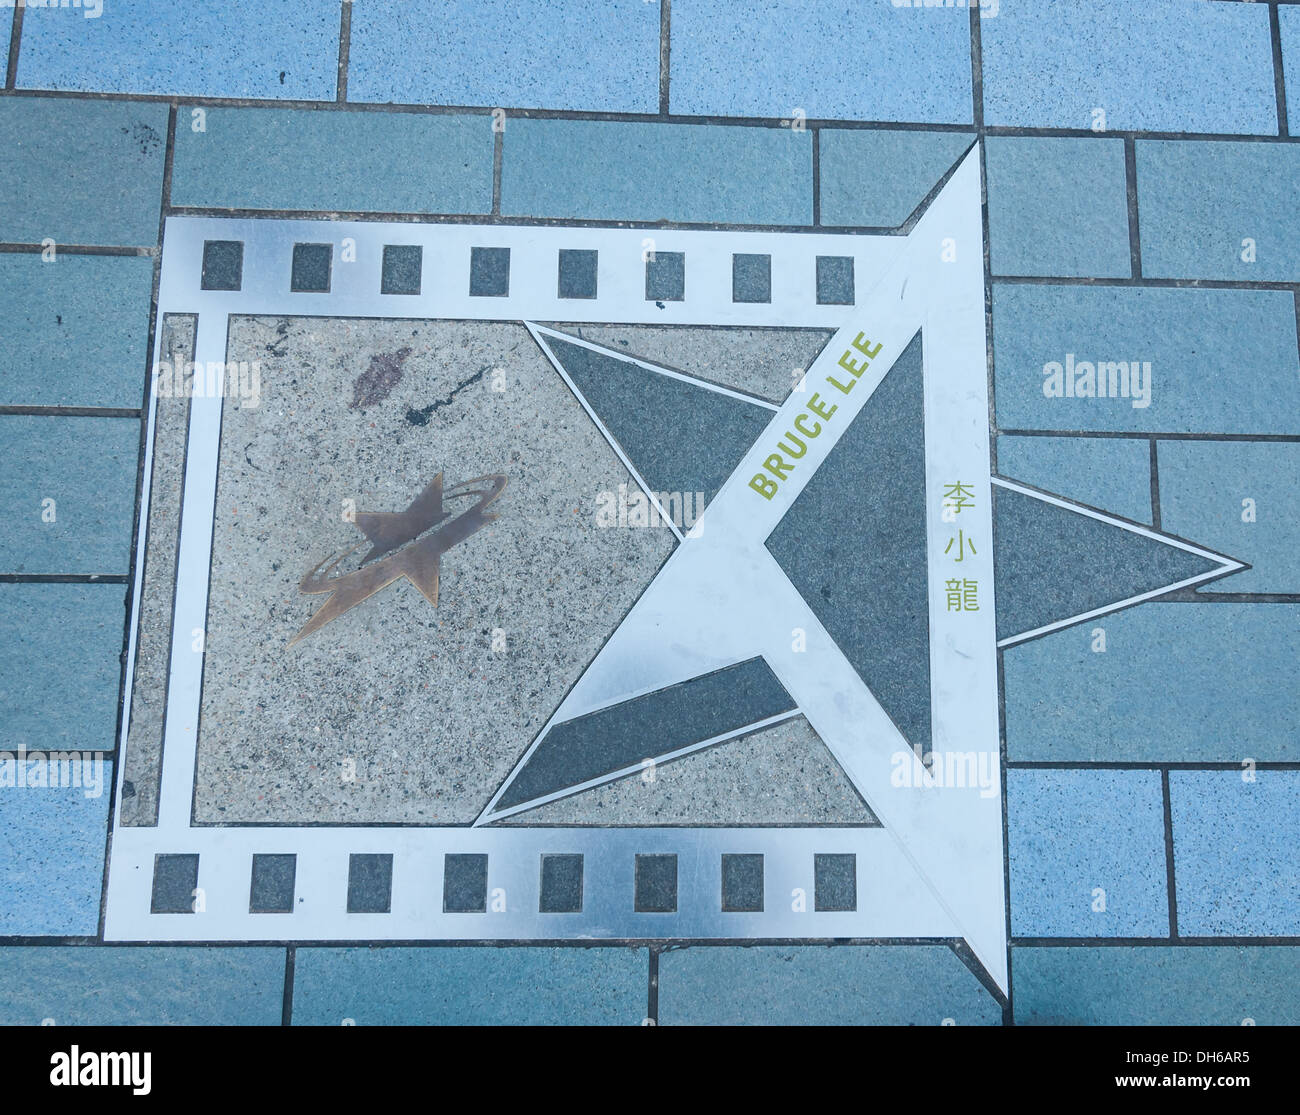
650 223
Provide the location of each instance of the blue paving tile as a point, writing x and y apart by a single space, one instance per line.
1222 361
88 319
1235 867
87 172
1113 474
90 985
845 985
285 49
1203 489
567 54
1289 22
876 178
1176 682
1057 207
834 60
60 648
1205 209
87 467
471 986
51 876
1146 985
1074 833
605 170
1146 65
280 158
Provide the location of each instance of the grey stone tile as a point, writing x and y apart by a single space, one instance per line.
680 437
766 362
835 878
742 882
370 883
751 278
578 273
656 884
402 269
665 277
489 272
223 265
272 888
782 775
464 883
1040 579
561 884
311 268
835 285
175 879
626 734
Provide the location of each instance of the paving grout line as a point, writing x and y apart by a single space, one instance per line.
71 412
1134 764
1148 281
78 249
1131 192
15 41
652 987
498 161
290 961
345 48
1169 854
64 578
1279 80
1156 942
817 178
1155 486
1145 434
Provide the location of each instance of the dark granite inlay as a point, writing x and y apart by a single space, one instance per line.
681 438
578 273
665 277
561 891
835 280
854 544
370 883
489 272
626 734
751 278
273 884
835 879
403 269
223 264
464 883
311 268
175 879
1051 563
742 883
656 884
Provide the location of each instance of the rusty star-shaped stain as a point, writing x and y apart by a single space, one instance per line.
406 544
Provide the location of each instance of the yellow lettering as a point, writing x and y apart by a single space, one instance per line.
798 425
821 409
763 486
